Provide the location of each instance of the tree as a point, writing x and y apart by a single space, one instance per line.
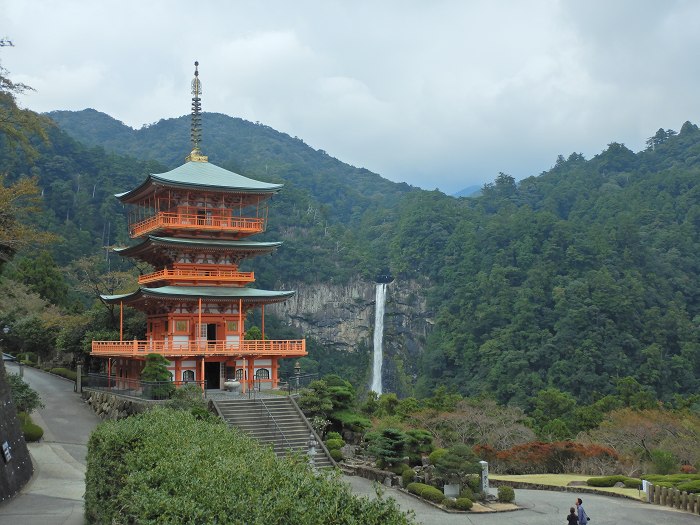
156 372
25 397
388 446
19 126
19 199
316 401
457 463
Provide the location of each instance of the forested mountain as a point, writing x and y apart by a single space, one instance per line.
573 279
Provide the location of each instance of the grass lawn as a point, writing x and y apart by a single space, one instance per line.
562 480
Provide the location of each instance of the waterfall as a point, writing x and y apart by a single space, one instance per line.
380 300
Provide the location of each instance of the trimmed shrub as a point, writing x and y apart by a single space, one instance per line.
165 466
609 481
407 476
334 435
352 420
506 494
426 492
633 483
332 444
336 454
689 486
436 454
459 503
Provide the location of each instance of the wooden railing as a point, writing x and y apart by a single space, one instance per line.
165 220
258 348
199 275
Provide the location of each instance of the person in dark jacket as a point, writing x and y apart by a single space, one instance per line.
572 518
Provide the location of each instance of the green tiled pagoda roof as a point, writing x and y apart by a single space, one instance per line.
203 175
247 295
151 240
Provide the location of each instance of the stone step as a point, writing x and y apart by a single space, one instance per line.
276 422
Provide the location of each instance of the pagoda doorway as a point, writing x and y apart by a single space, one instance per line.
211 333
212 375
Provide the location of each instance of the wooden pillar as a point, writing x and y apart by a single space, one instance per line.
178 369
202 375
121 321
251 372
275 365
263 322
109 371
240 321
199 328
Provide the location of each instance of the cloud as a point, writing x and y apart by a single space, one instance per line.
445 93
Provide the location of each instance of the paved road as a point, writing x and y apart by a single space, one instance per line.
541 508
54 496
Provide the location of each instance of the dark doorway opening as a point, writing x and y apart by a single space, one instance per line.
212 374
211 332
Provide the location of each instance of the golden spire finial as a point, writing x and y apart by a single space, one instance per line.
196 128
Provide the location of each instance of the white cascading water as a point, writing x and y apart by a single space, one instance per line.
380 299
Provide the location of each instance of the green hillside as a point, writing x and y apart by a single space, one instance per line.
574 279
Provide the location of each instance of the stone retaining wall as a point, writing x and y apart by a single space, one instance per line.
112 406
374 474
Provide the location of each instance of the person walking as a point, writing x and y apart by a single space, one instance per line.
572 518
583 518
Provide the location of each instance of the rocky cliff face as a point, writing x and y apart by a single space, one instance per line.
342 317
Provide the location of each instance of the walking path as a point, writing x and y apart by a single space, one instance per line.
54 496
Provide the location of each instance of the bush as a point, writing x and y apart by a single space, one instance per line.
352 420
426 492
333 435
217 475
336 454
506 494
436 454
25 397
64 372
407 476
332 444
467 492
459 503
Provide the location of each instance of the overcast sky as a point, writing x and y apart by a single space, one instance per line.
439 94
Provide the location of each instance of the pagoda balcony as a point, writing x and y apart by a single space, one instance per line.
191 222
201 275
202 348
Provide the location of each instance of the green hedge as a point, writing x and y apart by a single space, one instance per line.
426 492
336 454
64 372
609 481
689 486
166 466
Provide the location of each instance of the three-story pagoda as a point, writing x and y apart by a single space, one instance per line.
193 225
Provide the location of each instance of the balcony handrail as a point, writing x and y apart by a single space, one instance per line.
187 220
296 347
198 274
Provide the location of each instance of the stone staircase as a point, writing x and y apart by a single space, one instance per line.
276 421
